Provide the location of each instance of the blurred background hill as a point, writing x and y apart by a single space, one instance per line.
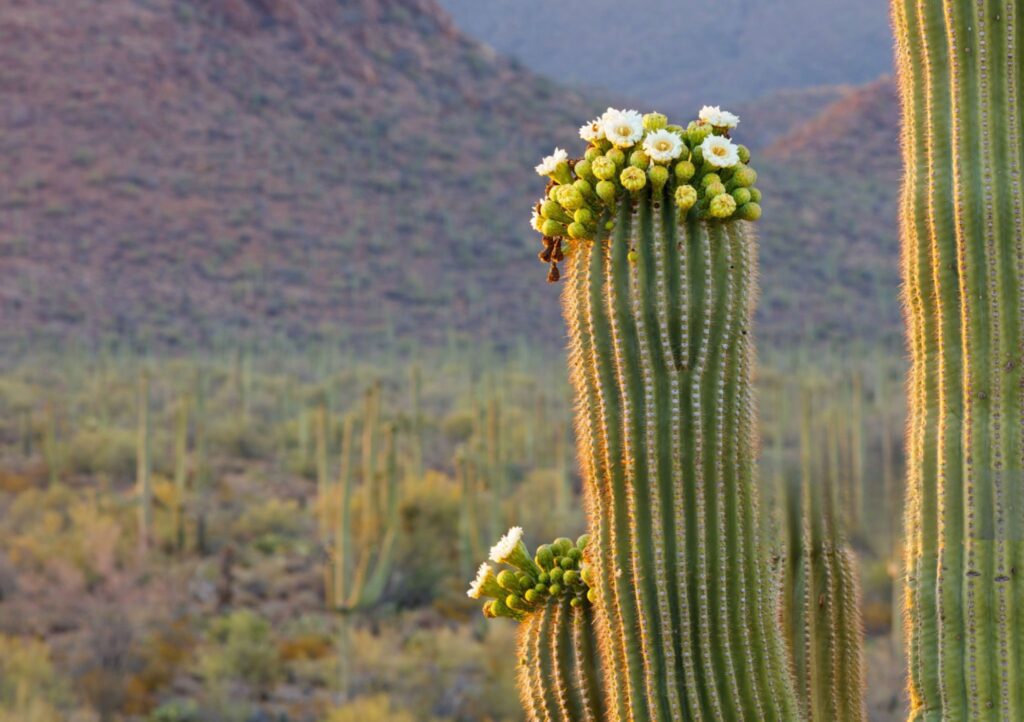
183 170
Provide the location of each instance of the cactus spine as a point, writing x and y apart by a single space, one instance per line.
820 593
962 225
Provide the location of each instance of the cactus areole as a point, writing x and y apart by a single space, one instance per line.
652 228
962 228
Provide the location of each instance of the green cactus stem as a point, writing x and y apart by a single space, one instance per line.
962 225
820 593
653 225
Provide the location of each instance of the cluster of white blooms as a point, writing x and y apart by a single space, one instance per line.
629 154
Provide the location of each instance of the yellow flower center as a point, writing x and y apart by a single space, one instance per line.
663 145
718 150
624 130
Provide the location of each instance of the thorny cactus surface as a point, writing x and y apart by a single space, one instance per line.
962 227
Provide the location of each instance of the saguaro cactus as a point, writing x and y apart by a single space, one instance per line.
820 593
144 464
962 229
660 291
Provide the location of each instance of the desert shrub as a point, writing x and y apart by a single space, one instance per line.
176 711
236 438
102 451
241 649
274 516
375 708
30 690
427 553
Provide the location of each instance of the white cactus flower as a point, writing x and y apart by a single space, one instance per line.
718 118
550 162
663 145
720 152
623 128
592 131
483 574
501 551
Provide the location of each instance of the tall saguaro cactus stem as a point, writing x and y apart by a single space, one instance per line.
962 227
654 225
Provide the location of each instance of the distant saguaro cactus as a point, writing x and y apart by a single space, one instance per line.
962 228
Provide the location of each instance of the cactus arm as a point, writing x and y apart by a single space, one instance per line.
587 676
342 555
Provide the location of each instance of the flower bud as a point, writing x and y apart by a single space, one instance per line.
515 603
591 153
655 121
744 153
582 542
639 159
633 179
556 575
722 206
749 211
544 558
714 189
742 195
658 175
544 577
709 179
616 156
755 195
566 563
603 167
571 577
577 231
583 169
576 602
697 155
553 228
697 132
532 596
585 215
744 177
584 187
561 546
507 580
592 595
554 211
587 575
606 191
686 197
562 173
677 129
684 171
570 198
633 257
574 554
555 589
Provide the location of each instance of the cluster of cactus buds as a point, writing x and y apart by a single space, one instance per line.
698 166
557 571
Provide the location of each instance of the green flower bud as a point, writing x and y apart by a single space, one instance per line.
606 191
532 596
714 189
500 608
639 159
722 206
583 215
585 189
755 195
603 167
591 153
677 129
556 575
577 231
686 197
516 603
744 153
749 211
571 577
507 580
742 195
616 156
544 577
583 169
525 580
744 177
551 209
697 132
574 555
553 228
592 595
562 545
562 173
582 542
655 121
697 155
710 178
544 557
567 563
575 602
587 575
633 179
570 198
555 589
633 257
659 176
487 609
684 171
